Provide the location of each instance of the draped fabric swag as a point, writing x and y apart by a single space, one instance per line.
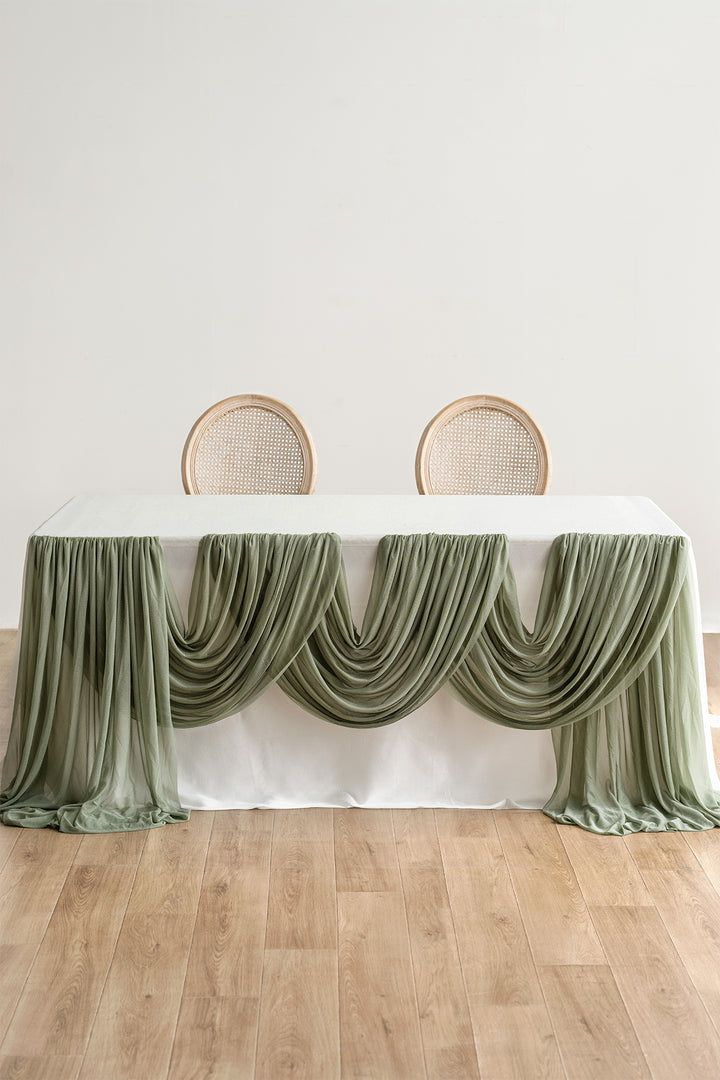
108 667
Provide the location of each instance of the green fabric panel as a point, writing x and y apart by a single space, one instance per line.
604 606
92 745
639 764
429 599
255 600
107 665
611 666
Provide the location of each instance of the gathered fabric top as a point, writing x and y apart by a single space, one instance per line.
108 666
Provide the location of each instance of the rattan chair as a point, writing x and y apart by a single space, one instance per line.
249 445
482 445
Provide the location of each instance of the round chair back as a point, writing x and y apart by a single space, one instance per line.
482 445
249 445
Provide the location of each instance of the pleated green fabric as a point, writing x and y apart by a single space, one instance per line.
108 666
604 607
639 764
611 666
92 746
254 602
429 600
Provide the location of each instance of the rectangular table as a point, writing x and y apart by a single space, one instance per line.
275 754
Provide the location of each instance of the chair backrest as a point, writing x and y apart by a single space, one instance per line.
482 445
249 445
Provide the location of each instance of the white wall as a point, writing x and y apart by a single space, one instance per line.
366 209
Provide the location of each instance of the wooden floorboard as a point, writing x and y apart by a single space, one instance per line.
220 949
514 1035
445 1025
665 1009
379 1021
217 1025
135 1026
298 1034
706 850
556 918
57 1008
366 944
224 951
585 1001
596 1036
689 907
669 1018
31 882
8 839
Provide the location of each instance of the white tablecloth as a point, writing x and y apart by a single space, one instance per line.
273 754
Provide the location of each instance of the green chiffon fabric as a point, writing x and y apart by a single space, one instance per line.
611 667
108 667
254 602
428 603
91 744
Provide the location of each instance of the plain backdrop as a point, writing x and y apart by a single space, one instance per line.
366 209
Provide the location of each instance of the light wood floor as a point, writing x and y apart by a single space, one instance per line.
358 943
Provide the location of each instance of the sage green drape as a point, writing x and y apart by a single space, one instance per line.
611 666
107 665
254 602
91 746
429 600
639 764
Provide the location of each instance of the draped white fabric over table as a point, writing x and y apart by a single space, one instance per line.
274 754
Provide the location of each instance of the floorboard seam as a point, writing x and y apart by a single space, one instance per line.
409 943
262 972
548 1010
192 938
714 1023
39 946
112 958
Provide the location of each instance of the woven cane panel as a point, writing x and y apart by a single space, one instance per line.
484 451
249 451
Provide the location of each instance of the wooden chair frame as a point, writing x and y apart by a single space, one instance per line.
465 404
257 401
